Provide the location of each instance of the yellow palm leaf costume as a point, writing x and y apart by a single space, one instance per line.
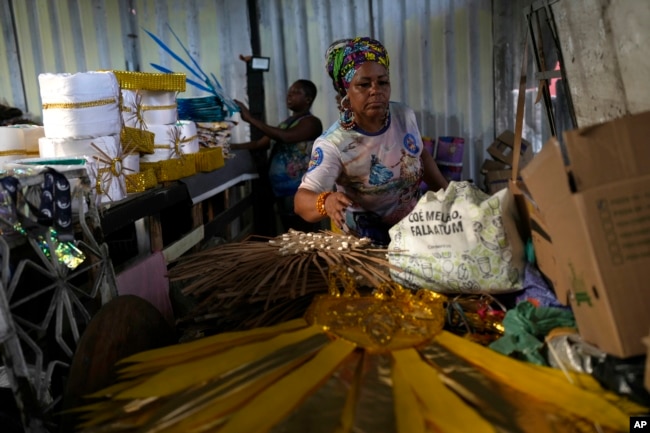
376 363
379 362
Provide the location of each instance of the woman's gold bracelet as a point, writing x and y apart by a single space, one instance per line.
320 202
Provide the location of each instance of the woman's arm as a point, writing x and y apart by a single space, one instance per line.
308 128
432 175
334 204
262 143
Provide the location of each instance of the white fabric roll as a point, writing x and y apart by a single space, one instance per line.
157 155
80 105
12 147
131 163
189 136
166 138
154 107
59 147
105 159
25 137
107 185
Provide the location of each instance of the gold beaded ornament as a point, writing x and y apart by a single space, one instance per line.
320 202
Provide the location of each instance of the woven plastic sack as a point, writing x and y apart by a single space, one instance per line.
459 240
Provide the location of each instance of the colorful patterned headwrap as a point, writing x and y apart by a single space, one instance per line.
345 56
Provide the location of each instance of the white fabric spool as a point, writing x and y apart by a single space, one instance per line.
110 187
80 105
155 107
60 147
131 163
165 144
17 137
12 147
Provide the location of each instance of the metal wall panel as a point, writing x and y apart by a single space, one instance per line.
455 62
440 51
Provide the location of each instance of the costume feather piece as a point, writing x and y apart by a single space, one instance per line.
356 363
211 86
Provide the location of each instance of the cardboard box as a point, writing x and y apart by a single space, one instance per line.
502 149
597 211
496 180
492 165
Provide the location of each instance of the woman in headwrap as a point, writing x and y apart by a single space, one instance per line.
365 169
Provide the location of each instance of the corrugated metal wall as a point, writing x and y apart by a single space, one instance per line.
455 62
440 50
83 35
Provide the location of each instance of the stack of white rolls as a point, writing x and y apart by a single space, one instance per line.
82 117
156 111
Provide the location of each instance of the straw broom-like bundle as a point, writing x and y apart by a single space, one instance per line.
251 283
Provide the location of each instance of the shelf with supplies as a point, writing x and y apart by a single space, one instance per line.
176 217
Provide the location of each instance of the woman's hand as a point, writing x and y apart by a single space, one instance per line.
335 206
306 204
244 112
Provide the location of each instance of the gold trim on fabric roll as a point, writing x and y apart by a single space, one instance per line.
13 152
126 109
70 105
187 140
131 80
158 107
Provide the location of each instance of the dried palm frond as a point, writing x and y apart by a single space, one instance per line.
230 279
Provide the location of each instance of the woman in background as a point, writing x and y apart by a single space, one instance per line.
291 144
365 169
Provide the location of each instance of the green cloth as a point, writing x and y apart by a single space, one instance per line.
526 326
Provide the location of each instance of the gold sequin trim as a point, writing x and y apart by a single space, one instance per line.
137 139
142 181
131 80
172 169
209 159
89 104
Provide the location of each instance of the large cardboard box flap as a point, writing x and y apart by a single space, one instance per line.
546 178
609 152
